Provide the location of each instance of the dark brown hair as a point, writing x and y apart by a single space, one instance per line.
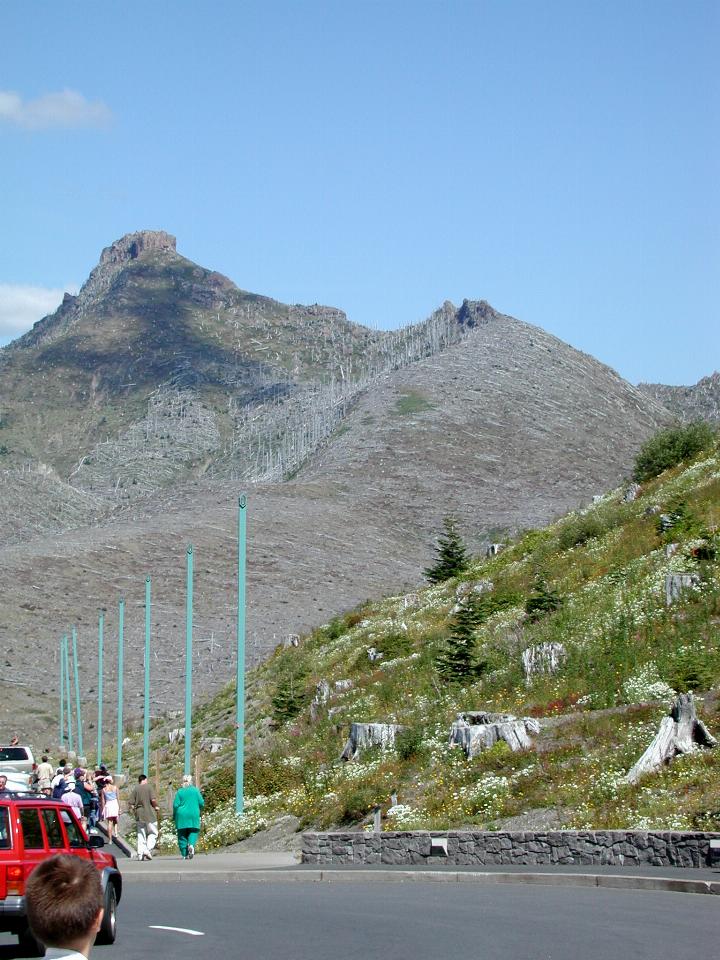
63 898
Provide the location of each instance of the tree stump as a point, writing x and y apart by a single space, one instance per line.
543 659
679 732
675 583
364 735
477 731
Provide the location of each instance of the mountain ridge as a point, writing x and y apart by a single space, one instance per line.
131 432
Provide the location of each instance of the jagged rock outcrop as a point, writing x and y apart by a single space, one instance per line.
698 402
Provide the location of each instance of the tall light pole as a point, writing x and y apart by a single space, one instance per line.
120 668
62 700
68 701
101 645
78 714
188 657
240 676
146 714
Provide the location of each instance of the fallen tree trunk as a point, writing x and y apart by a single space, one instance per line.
679 732
478 731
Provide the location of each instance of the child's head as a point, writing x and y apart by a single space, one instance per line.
64 901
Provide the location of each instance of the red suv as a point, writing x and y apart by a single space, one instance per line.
33 828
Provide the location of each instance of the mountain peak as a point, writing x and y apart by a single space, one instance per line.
123 251
133 245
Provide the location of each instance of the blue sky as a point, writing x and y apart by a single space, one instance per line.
559 159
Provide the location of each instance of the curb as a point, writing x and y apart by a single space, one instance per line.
275 875
118 842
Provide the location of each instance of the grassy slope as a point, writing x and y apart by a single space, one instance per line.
598 713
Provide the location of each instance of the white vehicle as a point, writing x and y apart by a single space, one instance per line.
18 765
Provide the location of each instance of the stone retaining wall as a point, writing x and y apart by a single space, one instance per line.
614 847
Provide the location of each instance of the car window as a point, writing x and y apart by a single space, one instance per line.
13 753
53 829
31 829
4 828
75 837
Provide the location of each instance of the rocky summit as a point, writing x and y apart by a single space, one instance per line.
133 416
698 402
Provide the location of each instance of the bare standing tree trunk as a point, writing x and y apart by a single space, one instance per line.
679 732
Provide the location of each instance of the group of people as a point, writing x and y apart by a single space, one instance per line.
92 794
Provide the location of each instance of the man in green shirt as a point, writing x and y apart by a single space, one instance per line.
186 814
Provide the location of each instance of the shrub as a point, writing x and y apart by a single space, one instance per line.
266 775
646 685
679 523
581 529
408 742
690 669
357 803
490 603
395 644
670 447
219 788
542 601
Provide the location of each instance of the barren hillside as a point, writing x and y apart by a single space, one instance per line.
133 417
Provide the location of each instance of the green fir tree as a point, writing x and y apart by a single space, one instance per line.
457 661
291 694
542 601
452 556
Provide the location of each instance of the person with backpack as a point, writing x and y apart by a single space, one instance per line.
60 781
84 794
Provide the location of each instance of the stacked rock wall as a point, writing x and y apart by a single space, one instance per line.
602 847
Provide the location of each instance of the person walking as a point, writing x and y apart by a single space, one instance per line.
187 808
143 805
45 774
91 790
111 806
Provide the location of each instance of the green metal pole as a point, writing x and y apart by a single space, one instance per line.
101 645
68 701
240 677
188 658
78 714
120 666
62 700
146 717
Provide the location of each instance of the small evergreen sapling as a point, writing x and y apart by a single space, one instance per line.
452 557
291 694
542 601
457 661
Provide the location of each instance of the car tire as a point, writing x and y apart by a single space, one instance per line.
29 946
108 927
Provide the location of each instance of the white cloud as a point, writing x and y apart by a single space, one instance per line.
64 109
21 307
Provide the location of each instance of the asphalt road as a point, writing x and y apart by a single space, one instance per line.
407 921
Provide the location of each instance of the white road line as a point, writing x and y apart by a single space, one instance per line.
193 933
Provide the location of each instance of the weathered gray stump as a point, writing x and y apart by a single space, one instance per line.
364 735
322 695
675 583
477 731
543 659
680 732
